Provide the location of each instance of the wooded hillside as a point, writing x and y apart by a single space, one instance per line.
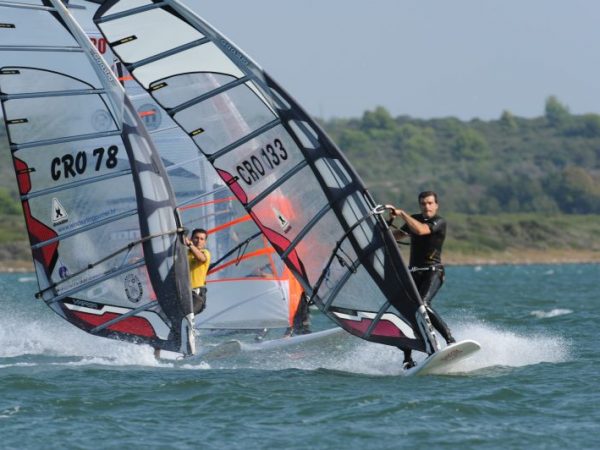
548 164
507 185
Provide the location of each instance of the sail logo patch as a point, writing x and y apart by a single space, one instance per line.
17 121
150 115
63 272
133 288
283 222
125 40
59 213
102 120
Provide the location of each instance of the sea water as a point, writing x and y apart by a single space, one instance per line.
534 384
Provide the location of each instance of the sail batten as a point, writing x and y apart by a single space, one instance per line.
309 226
166 54
29 6
52 94
75 184
122 317
176 109
376 319
40 48
234 145
276 184
129 12
127 248
64 140
96 224
94 282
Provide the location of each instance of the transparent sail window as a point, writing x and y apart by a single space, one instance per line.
125 5
39 119
305 133
35 28
73 209
147 34
290 207
203 58
80 250
155 118
333 172
316 248
225 118
49 66
179 89
19 80
360 293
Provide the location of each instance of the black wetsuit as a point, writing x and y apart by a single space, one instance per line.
427 269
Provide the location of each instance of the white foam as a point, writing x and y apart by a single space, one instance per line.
499 348
26 279
552 313
9 412
503 347
53 337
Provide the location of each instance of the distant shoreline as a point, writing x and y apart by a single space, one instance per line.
508 257
525 257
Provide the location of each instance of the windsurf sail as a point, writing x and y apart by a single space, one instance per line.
288 175
249 286
98 205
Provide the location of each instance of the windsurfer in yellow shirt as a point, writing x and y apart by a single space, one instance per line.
198 260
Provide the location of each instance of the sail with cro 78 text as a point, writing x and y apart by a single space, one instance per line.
98 206
296 185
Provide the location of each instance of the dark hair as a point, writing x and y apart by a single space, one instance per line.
198 230
425 194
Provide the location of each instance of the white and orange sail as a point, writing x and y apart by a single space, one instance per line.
249 286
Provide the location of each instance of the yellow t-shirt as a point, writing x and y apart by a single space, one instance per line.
198 269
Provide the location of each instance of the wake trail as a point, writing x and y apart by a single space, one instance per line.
499 348
54 341
60 343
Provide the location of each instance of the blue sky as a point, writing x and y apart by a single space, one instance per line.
423 58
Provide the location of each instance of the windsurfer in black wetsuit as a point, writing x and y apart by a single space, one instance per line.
427 232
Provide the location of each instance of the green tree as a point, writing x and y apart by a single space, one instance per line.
470 144
587 126
415 143
576 191
380 119
8 205
507 120
557 114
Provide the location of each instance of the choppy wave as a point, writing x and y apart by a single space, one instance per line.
552 313
500 347
4 414
26 279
